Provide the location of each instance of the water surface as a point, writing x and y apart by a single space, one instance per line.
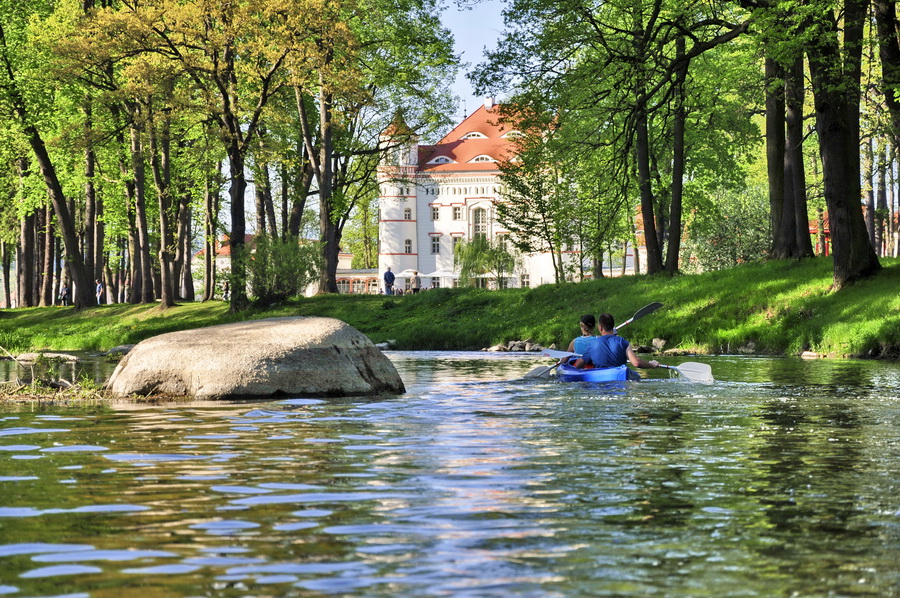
779 479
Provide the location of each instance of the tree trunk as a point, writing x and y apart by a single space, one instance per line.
209 240
795 167
836 94
674 246
89 236
140 216
160 157
775 157
651 241
6 259
869 181
25 262
47 255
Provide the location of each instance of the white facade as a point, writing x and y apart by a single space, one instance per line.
431 196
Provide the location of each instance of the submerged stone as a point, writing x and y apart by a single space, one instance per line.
294 356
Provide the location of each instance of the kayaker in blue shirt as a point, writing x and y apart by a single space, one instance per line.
610 350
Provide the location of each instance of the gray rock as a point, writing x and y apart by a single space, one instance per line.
294 356
659 343
31 357
497 348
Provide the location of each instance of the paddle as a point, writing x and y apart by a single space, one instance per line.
644 311
692 371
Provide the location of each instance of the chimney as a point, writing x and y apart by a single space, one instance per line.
489 103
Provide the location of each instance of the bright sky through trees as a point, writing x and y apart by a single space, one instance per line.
473 30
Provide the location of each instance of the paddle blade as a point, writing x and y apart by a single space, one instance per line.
540 372
644 311
558 354
695 372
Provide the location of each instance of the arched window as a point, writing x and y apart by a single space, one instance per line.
407 246
407 214
479 222
343 286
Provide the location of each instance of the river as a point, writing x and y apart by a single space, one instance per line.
782 478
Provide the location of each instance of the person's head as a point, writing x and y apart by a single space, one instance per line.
606 323
415 272
389 268
588 322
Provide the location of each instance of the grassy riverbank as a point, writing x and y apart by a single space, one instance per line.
770 308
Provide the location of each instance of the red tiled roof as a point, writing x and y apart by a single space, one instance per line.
462 151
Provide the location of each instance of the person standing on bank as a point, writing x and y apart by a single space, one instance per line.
99 292
610 350
416 282
64 294
388 282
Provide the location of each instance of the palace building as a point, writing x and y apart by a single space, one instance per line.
433 196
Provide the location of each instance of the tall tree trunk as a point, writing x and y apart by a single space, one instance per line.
25 262
184 280
775 158
209 239
48 253
836 94
881 206
160 157
140 215
795 167
642 148
869 181
6 259
674 247
89 235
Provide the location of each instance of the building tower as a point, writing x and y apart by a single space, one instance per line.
398 216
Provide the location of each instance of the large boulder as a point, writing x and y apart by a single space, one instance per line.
277 357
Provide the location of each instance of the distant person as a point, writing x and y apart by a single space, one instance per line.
225 291
581 343
64 295
416 282
389 282
99 292
610 350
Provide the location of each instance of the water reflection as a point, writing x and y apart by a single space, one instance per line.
779 479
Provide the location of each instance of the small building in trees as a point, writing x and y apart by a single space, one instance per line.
434 196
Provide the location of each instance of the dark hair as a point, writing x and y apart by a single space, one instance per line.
589 321
606 322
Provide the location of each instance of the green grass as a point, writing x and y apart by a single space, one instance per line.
767 308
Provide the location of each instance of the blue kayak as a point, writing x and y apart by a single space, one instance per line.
566 373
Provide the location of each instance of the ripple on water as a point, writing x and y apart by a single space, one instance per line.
60 570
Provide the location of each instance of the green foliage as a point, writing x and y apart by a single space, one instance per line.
482 256
732 231
280 269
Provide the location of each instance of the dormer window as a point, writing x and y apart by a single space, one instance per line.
482 158
513 134
474 135
440 160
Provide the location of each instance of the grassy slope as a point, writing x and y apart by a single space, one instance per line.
776 308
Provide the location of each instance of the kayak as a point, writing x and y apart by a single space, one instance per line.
567 373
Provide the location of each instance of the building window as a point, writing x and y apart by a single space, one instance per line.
525 281
479 218
457 213
343 286
435 213
435 282
407 246
407 214
435 244
455 243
